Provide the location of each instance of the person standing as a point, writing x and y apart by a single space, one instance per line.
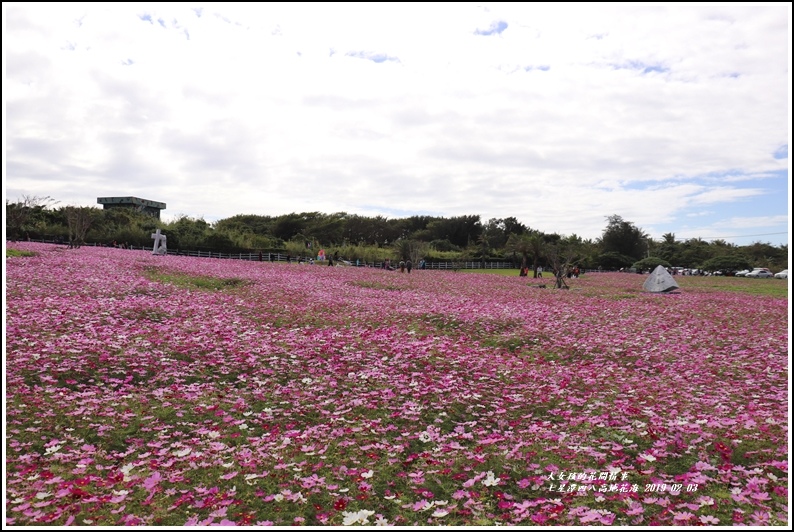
409 265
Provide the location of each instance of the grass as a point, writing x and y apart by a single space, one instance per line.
194 281
19 253
506 272
759 287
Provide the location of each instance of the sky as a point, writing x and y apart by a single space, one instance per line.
676 117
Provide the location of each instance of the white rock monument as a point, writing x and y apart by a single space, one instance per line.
160 247
660 280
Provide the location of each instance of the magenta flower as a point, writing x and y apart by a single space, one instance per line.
127 392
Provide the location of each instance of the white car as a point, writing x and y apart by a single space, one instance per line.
741 273
759 273
782 275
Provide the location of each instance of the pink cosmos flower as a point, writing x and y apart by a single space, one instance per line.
635 508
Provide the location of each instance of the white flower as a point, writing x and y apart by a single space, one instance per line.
361 516
425 437
349 518
184 451
213 434
43 495
647 457
51 450
440 513
278 497
490 479
367 474
381 521
125 470
307 380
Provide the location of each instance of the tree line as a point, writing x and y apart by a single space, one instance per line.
374 238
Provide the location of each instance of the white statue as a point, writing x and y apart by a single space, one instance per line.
160 247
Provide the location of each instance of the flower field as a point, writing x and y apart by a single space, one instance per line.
145 390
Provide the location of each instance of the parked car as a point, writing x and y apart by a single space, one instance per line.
782 275
742 273
759 273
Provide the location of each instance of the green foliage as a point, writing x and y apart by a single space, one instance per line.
297 248
241 223
433 254
519 246
459 230
187 233
406 249
624 238
498 230
19 253
372 239
190 281
614 261
650 263
766 255
444 245
726 264
288 226
26 215
79 220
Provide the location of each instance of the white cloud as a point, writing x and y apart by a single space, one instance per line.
566 116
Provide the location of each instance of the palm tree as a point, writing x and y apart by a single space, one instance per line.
519 244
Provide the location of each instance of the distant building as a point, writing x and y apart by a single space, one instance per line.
128 202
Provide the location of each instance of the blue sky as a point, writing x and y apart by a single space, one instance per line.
675 117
